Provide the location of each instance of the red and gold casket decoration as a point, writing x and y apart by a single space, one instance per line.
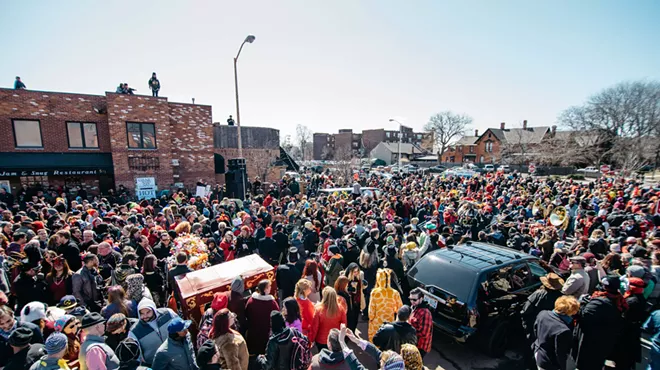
197 288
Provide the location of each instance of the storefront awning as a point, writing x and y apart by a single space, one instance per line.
55 164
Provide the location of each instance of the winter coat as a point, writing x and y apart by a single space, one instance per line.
628 350
384 303
327 360
236 305
23 359
113 339
175 354
268 251
6 351
322 324
257 314
85 287
148 338
577 284
111 360
391 336
541 300
279 350
599 325
286 277
554 338
233 351
306 314
46 363
333 270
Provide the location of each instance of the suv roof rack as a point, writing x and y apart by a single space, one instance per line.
497 252
479 256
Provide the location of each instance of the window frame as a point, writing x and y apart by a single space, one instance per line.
141 147
41 134
82 135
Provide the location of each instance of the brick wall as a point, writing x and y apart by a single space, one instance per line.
371 138
191 129
53 110
140 109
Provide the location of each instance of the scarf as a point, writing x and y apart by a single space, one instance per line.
616 298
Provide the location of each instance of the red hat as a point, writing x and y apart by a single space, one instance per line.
37 225
219 301
269 232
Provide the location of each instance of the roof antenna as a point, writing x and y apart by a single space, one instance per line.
193 100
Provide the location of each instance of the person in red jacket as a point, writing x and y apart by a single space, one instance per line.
328 315
422 321
302 292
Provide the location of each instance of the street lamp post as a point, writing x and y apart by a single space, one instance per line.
248 39
400 137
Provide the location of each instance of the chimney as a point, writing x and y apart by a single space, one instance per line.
524 124
502 125
554 130
476 133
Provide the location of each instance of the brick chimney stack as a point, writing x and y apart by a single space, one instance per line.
476 133
554 130
502 125
524 124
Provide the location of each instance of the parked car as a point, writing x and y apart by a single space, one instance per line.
489 168
589 170
436 169
476 291
505 168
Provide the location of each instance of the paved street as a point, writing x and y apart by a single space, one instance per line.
450 355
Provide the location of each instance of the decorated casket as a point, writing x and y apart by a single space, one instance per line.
197 288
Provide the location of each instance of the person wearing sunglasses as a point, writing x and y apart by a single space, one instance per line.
421 320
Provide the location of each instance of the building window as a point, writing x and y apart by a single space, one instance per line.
471 149
355 144
141 135
387 134
27 134
481 159
451 159
489 146
82 135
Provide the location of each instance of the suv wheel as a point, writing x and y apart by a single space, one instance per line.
498 340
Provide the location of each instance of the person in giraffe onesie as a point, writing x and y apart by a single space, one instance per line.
384 303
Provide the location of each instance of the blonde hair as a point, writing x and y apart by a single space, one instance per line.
182 228
301 286
329 302
367 259
567 305
597 234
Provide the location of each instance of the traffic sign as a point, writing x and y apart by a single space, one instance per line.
532 168
604 168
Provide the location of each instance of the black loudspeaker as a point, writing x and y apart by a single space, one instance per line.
235 178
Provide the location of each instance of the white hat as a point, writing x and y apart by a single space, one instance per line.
602 212
33 311
615 248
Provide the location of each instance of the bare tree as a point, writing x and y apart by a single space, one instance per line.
617 119
303 137
343 157
447 126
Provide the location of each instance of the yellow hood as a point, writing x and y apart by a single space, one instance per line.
383 278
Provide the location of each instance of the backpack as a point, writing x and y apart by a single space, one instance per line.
301 355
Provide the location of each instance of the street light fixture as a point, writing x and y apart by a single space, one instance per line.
249 39
400 136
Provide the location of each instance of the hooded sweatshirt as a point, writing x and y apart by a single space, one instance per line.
384 303
329 360
150 335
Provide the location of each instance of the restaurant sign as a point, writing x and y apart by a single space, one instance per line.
52 173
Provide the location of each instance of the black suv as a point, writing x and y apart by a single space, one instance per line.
476 290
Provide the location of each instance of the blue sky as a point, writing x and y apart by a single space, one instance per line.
341 63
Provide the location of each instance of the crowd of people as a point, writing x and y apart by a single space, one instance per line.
90 282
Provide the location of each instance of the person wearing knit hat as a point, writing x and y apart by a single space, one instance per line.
237 302
24 353
220 301
629 347
55 346
268 248
206 356
128 353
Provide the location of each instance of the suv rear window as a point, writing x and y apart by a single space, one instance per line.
453 278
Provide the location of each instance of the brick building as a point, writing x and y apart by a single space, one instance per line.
98 142
361 144
499 145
